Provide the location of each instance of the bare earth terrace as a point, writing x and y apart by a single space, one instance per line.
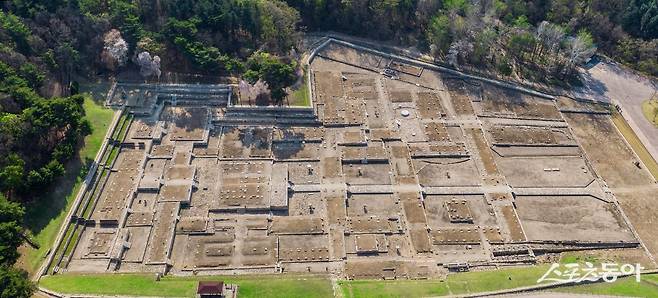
397 171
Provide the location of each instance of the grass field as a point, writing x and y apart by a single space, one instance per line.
263 286
622 287
259 286
300 96
455 284
483 281
650 110
43 223
636 144
648 287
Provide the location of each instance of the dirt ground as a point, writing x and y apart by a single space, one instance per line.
402 173
612 159
571 218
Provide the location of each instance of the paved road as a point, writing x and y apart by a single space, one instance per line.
609 82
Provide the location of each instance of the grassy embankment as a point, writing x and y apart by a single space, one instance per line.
647 287
460 283
650 110
474 282
319 286
146 285
300 96
635 143
43 222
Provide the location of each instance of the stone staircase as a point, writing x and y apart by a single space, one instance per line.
190 94
240 115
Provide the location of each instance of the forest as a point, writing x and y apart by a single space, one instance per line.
46 44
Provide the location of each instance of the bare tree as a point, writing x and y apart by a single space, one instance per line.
579 49
458 51
549 36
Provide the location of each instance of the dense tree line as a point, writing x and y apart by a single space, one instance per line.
13 282
216 37
38 135
501 35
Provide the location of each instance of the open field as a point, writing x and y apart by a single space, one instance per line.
455 284
258 286
648 287
474 282
402 288
43 223
319 286
293 286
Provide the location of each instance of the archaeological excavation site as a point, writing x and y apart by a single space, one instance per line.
398 169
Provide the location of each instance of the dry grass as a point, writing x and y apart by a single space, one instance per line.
636 144
650 111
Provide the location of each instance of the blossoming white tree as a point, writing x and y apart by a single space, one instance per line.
148 66
115 50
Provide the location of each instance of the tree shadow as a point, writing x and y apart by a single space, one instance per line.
291 144
593 87
43 209
189 119
255 137
96 90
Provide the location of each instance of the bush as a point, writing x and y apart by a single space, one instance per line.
14 283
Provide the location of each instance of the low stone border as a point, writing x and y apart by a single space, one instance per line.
78 197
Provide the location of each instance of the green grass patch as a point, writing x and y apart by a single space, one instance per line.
627 286
124 123
43 223
100 119
579 258
112 156
484 281
455 284
118 284
300 96
258 286
401 288
651 278
74 240
88 203
650 111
